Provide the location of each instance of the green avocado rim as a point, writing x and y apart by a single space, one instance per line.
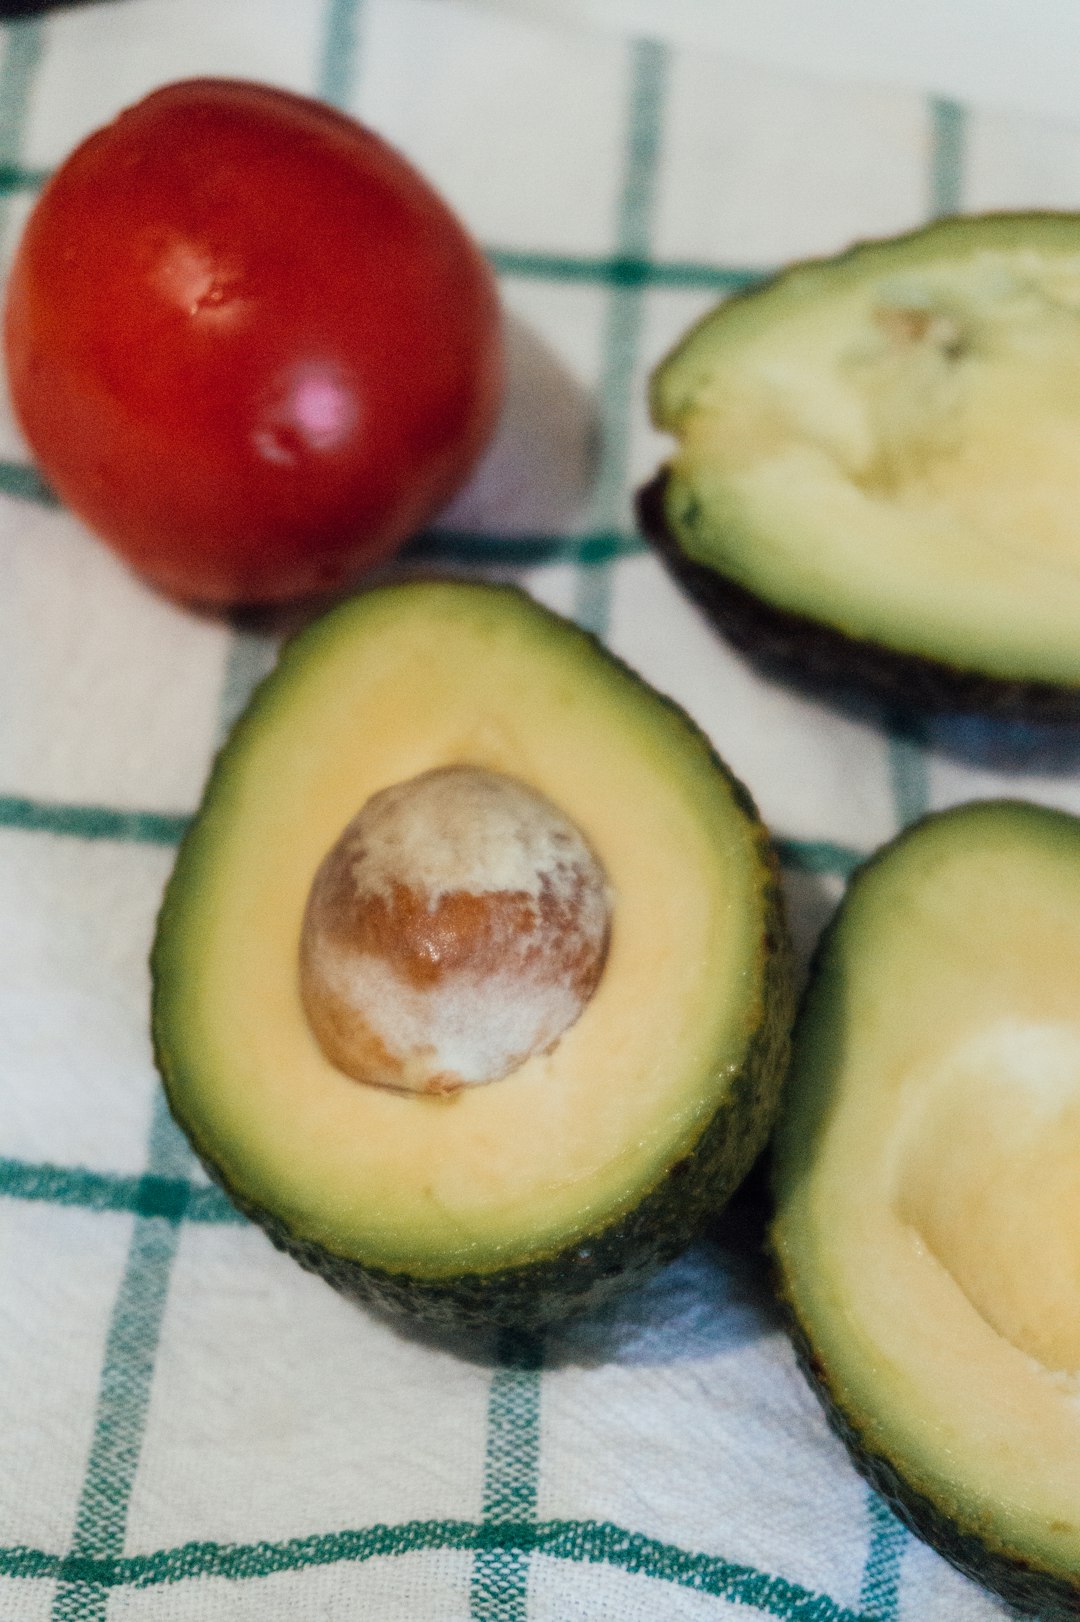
800 647
665 1217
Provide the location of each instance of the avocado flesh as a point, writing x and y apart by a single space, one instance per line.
398 681
927 1179
885 443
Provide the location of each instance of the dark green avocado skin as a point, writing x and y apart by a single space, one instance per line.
616 1257
818 656
1040 1593
619 1254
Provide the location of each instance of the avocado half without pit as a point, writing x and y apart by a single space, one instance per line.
927 1182
471 982
877 480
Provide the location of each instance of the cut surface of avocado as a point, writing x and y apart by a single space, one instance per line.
927 1180
589 1159
885 443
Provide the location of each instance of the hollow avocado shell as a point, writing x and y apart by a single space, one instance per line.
811 654
971 1548
1005 1573
802 647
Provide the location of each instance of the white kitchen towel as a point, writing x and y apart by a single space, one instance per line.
192 1428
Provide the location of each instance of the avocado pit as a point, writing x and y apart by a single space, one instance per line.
458 926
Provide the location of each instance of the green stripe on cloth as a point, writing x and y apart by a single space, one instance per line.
511 1478
92 821
627 269
948 131
25 482
510 1484
525 551
173 1198
337 74
818 856
160 1199
581 1542
776 1597
251 657
127 1374
24 45
879 1594
15 178
908 736
626 305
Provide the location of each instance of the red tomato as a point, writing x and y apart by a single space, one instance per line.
248 343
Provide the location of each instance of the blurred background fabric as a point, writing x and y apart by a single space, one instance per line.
996 52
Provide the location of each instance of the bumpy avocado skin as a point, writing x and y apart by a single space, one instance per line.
815 655
812 653
1008 1574
598 1265
604 1264
1005 1572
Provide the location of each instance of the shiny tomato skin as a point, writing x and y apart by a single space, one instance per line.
248 343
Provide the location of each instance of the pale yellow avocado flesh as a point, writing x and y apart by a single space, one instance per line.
928 1172
890 442
388 687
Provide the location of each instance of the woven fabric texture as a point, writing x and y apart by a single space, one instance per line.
194 1429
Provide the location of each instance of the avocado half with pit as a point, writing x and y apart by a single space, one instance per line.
410 1180
877 474
927 1183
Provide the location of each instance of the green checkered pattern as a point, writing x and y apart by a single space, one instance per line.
193 1428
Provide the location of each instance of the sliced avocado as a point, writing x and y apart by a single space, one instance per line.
927 1184
876 476
530 1196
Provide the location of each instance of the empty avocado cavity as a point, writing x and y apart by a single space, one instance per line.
927 1180
881 449
989 1180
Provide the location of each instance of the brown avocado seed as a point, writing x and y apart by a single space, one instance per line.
459 925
